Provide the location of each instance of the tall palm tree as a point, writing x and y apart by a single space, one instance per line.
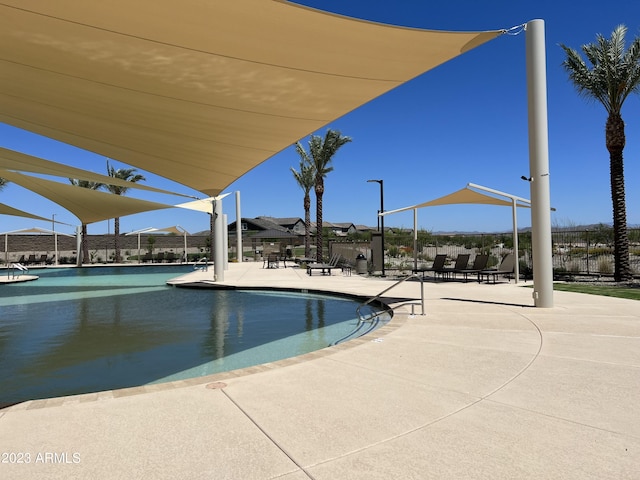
613 74
320 155
128 175
306 178
85 243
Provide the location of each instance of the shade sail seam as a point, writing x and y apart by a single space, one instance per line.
177 99
204 52
211 142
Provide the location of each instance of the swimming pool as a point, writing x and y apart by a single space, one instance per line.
79 330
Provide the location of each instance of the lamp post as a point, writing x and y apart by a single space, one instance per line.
381 218
55 239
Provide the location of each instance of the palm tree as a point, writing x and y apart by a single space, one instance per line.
128 175
306 179
321 152
85 244
3 183
613 74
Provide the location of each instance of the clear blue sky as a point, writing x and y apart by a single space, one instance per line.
465 121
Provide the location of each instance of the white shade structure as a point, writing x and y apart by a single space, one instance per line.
471 194
33 230
176 229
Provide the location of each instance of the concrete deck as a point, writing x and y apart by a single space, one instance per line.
483 386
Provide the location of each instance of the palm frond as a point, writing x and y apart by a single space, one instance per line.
614 73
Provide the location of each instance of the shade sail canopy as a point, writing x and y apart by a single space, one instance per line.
199 92
22 162
88 205
38 230
7 210
175 229
463 196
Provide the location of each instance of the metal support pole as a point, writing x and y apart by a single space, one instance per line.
239 252
79 241
382 222
415 239
218 241
225 241
539 165
516 250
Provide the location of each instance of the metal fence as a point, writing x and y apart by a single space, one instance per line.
587 252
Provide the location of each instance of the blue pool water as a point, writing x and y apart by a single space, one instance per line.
91 329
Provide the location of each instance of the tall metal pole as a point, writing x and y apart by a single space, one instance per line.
55 239
239 253
381 218
79 241
218 240
539 165
382 222
516 247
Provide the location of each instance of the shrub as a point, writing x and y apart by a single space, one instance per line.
604 266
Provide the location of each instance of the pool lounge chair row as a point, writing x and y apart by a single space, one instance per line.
34 259
168 257
326 268
478 268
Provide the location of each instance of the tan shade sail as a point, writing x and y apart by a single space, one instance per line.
88 205
12 160
38 230
462 196
7 210
199 92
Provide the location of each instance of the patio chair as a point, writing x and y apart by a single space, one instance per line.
171 257
272 260
160 257
506 268
479 264
325 268
438 264
31 260
43 259
462 260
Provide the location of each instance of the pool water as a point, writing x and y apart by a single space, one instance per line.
91 329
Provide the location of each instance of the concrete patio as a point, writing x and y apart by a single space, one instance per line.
483 386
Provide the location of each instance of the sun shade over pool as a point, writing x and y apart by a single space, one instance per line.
199 92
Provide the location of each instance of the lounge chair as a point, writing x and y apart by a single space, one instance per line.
43 260
160 257
462 261
31 260
506 268
479 264
21 260
438 264
171 257
325 268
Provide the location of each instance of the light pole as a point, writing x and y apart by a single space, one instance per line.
381 218
55 239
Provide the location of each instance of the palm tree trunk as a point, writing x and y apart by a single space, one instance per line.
116 238
307 226
615 138
319 193
85 245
